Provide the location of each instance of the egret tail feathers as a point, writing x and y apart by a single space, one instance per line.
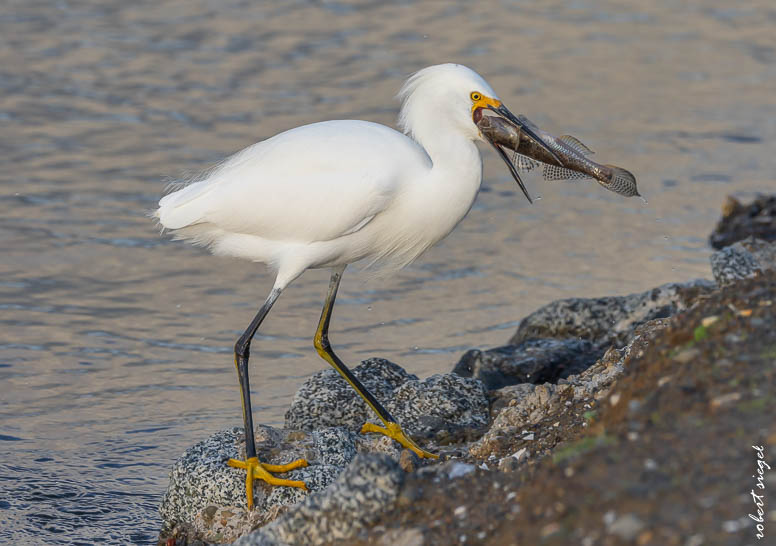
184 207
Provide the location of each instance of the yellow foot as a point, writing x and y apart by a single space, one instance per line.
261 471
393 430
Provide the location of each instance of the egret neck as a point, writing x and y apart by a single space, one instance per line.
449 189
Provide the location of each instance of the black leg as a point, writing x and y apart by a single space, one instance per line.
251 464
242 350
392 429
324 349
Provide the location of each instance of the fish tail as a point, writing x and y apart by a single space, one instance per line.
622 182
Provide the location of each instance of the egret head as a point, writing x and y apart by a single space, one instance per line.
454 97
441 96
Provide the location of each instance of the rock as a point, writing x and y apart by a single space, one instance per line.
598 378
408 461
409 494
509 423
508 464
350 478
404 537
325 399
443 407
531 361
511 463
611 319
627 527
526 405
208 497
685 356
457 470
739 221
742 260
504 396
622 453
362 493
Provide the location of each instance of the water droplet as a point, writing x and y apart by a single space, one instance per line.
538 198
369 308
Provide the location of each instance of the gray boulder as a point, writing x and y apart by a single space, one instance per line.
207 497
740 221
325 399
532 361
519 407
742 260
435 407
443 407
609 320
362 493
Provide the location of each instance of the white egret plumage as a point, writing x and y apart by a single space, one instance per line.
329 194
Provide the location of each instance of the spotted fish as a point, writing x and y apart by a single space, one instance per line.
574 156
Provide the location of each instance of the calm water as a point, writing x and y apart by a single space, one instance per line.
115 343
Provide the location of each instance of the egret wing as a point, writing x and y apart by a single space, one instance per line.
313 183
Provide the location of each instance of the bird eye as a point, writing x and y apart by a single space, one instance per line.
475 96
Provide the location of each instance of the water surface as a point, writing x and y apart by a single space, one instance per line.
115 342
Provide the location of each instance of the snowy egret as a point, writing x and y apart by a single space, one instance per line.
329 194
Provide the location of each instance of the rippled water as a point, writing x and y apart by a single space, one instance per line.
115 343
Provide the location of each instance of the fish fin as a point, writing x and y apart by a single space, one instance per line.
622 182
525 163
528 123
576 144
549 172
553 172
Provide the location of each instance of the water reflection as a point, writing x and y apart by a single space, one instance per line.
115 351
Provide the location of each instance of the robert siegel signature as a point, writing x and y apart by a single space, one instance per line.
759 500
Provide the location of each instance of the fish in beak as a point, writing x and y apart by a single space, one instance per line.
528 128
529 154
523 126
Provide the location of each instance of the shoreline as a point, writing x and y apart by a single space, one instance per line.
590 426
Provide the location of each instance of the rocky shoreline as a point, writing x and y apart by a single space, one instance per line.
616 420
